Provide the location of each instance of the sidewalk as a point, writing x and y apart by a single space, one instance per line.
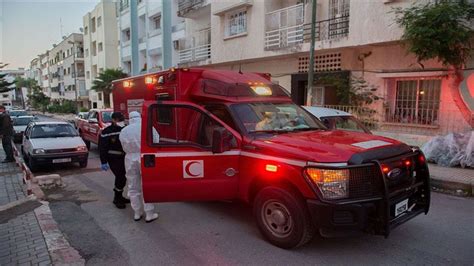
452 180
21 239
28 233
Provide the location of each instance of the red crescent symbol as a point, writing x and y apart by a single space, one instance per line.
188 170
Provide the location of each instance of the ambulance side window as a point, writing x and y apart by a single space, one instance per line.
186 126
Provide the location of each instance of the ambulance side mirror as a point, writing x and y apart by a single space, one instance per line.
221 140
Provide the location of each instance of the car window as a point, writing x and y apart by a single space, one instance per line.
342 122
199 127
93 115
107 117
22 121
53 131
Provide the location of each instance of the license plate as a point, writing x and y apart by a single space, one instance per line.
64 160
401 207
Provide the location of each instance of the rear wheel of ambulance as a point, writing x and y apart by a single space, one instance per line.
283 218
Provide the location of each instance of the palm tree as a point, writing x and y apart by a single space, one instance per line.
103 83
4 84
24 83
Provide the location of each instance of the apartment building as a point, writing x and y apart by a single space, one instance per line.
146 31
353 39
100 46
66 71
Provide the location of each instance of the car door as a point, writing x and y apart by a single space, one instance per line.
181 165
93 125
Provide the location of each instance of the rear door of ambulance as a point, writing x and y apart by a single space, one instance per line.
181 165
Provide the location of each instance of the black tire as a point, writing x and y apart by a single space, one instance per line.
88 144
31 164
283 218
83 164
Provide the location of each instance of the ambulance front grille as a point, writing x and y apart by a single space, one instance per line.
365 182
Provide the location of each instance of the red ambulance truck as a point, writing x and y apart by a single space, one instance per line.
227 135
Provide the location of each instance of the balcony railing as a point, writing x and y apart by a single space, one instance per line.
284 27
196 48
329 29
185 6
419 121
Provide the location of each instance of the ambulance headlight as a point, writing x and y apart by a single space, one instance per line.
332 183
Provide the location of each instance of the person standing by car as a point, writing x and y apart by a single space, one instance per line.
6 131
113 156
130 137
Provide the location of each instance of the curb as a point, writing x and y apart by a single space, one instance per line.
59 249
452 188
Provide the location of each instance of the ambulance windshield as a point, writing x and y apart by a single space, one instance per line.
274 118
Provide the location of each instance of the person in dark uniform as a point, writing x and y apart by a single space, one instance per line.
113 156
6 131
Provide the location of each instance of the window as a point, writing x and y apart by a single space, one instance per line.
99 22
68 70
101 47
99 95
88 74
416 102
94 49
200 127
92 25
156 22
86 30
338 8
236 23
87 52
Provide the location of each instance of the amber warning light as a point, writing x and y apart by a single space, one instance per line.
127 84
150 80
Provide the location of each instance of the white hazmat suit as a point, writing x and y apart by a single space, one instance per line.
130 137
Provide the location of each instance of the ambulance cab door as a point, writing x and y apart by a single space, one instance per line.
184 164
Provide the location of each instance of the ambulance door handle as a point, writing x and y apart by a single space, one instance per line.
149 160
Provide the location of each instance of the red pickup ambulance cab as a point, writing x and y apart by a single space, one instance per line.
226 135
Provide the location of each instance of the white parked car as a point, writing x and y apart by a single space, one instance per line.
19 125
336 119
53 143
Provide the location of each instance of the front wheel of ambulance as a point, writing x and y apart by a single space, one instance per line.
283 218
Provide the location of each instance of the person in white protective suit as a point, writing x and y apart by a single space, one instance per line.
130 137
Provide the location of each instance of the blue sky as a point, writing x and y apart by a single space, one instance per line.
30 27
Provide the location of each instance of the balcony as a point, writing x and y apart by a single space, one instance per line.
196 48
284 27
185 7
329 29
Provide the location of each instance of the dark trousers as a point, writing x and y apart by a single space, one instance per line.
117 165
7 147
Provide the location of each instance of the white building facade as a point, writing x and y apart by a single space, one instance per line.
146 32
66 71
100 46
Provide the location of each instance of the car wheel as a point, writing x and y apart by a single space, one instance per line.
88 144
283 218
83 164
31 164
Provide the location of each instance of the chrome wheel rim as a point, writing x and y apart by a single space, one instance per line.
276 218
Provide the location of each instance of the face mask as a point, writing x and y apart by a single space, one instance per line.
121 124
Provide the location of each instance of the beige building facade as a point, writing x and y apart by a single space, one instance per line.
100 46
353 39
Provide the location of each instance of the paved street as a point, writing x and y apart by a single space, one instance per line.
225 233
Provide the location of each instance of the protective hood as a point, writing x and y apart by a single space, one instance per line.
134 117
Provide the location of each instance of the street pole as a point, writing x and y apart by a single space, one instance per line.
75 74
311 53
